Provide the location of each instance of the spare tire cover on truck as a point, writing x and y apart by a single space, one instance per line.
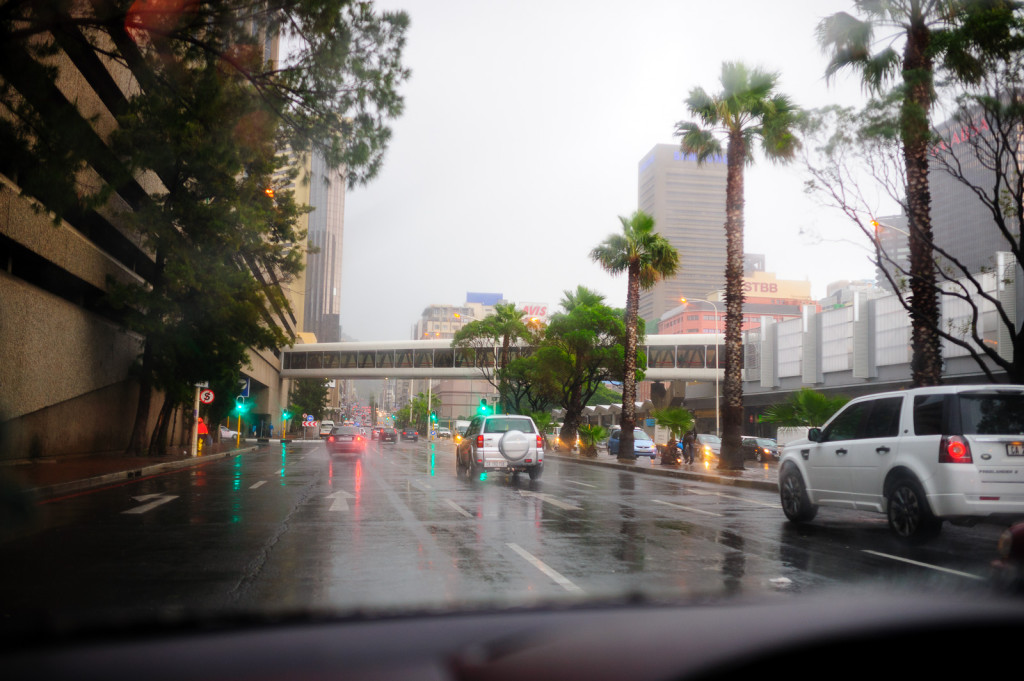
514 445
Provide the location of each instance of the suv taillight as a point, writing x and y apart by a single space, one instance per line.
540 442
480 441
954 449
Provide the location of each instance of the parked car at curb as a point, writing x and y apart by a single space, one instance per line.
921 456
507 443
643 445
227 433
708 447
760 449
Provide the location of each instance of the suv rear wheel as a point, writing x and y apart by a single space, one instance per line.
793 493
910 517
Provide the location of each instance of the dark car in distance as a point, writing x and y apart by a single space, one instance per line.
759 449
410 434
388 435
346 440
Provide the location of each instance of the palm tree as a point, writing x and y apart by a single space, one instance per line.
646 257
922 25
746 110
806 407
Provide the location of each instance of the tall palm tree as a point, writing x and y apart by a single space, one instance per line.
923 25
645 256
747 109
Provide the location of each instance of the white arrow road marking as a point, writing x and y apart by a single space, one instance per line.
924 565
258 484
546 569
459 508
574 482
687 508
554 501
157 500
340 503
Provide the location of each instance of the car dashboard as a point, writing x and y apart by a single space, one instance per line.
862 634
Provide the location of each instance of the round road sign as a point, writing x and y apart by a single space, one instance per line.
206 396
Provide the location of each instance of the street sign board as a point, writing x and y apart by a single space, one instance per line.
243 384
206 396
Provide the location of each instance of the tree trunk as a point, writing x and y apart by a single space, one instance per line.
137 441
158 443
731 457
627 421
925 342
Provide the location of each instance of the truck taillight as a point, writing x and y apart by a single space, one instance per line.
479 440
954 449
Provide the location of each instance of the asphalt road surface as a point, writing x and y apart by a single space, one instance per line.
287 529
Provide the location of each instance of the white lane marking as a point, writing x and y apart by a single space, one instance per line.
459 508
340 503
688 508
554 501
749 501
924 565
158 500
574 482
258 484
546 569
421 485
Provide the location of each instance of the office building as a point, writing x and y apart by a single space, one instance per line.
687 202
326 226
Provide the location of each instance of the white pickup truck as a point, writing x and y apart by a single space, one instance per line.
326 427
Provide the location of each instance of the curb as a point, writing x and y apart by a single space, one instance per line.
718 478
48 491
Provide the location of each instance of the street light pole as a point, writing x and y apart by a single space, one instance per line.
718 323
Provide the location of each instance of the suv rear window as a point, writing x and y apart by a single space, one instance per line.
992 413
503 425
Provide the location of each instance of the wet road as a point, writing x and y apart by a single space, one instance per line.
286 529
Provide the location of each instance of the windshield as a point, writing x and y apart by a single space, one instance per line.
226 227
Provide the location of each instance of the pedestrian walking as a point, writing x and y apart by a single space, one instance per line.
688 444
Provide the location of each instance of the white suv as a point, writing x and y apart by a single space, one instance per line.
507 442
921 456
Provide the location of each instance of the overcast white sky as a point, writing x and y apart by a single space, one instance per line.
525 121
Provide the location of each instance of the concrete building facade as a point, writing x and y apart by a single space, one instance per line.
687 202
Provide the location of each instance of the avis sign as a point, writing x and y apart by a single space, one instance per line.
534 311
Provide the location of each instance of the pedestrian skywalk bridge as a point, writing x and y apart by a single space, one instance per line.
669 357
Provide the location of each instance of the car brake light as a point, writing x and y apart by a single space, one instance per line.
479 440
954 449
330 439
540 442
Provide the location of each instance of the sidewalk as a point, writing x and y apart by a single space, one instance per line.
53 476
764 476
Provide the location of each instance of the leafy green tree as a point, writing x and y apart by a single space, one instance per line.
203 125
307 396
805 407
606 395
583 347
482 338
646 257
336 91
747 109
